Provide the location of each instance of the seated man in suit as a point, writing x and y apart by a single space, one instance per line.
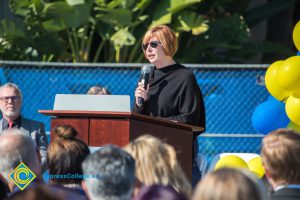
281 160
10 105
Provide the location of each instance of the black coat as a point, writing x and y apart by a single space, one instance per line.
174 94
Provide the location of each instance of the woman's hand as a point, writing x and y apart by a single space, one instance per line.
141 92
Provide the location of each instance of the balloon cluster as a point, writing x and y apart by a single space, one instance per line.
283 82
254 165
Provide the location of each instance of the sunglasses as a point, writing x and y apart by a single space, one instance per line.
13 99
153 44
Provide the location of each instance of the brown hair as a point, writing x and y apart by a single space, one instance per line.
227 184
98 90
165 36
156 163
280 155
65 155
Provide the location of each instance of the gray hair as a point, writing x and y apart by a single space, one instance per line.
12 85
16 147
113 172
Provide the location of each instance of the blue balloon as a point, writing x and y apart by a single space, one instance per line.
271 98
298 53
269 116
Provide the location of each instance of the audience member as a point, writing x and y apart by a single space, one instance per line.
98 90
227 184
109 174
17 147
156 163
280 155
37 193
65 156
159 192
10 105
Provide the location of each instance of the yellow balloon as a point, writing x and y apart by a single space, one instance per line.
296 93
275 89
231 161
255 165
292 108
294 126
289 74
296 35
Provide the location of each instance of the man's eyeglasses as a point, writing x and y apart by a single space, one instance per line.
153 44
13 99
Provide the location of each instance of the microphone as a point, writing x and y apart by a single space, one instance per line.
144 79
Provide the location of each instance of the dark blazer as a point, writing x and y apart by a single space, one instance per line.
286 194
36 130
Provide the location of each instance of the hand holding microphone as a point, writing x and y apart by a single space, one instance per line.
142 89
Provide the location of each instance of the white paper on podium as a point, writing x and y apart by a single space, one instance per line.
84 102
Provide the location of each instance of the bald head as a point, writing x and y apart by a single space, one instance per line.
16 147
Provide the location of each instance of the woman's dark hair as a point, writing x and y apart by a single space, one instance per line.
159 192
65 155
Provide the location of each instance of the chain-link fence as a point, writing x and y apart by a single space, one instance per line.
231 93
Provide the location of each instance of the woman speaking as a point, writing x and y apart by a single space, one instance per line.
172 92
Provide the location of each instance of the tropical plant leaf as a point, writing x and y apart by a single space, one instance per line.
114 4
75 2
10 30
140 20
178 5
62 16
20 7
122 38
161 14
37 6
191 21
104 30
117 17
141 5
127 4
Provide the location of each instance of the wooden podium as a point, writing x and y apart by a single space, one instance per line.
98 128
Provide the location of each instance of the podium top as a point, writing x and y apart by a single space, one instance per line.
83 102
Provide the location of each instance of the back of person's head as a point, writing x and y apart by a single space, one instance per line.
65 155
156 163
98 90
109 174
159 192
280 155
227 184
17 147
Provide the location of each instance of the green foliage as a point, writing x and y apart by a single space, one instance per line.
264 11
213 31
